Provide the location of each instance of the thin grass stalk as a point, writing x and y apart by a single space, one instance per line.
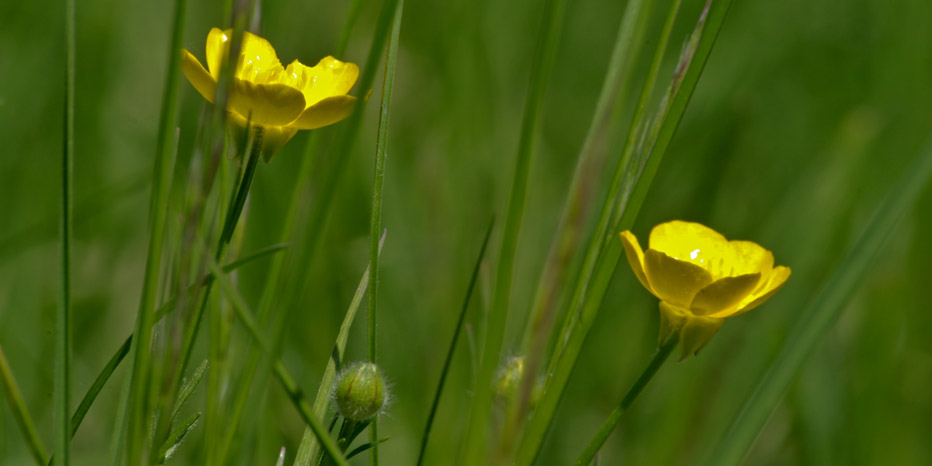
21 413
578 204
288 383
541 67
62 384
456 333
590 292
609 425
375 225
823 312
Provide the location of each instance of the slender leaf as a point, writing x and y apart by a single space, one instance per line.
177 436
375 224
456 334
188 387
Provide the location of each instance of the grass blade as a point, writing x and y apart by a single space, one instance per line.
822 312
589 293
541 68
188 387
375 224
158 209
578 203
177 436
456 334
62 384
309 447
20 412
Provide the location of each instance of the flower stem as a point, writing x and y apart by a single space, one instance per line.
609 425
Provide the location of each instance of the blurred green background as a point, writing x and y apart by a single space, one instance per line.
803 118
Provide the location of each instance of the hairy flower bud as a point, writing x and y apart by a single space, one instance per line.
360 391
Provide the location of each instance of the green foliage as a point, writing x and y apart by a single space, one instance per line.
804 116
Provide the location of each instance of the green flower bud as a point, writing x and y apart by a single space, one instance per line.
360 391
508 379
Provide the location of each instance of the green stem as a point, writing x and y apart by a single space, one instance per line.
456 333
62 394
375 225
20 413
134 418
609 425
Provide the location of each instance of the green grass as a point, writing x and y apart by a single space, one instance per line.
793 125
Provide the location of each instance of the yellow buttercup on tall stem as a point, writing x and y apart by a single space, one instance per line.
701 278
276 100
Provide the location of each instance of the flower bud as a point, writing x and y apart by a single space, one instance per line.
508 379
360 391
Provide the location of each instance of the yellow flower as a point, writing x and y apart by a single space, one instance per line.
279 99
701 278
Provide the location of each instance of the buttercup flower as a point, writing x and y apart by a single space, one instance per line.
280 100
701 278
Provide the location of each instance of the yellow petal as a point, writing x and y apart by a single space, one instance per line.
777 278
696 333
672 280
329 77
691 242
672 319
723 294
265 104
198 76
326 112
256 59
635 256
217 44
749 257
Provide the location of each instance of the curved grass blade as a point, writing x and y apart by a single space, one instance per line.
590 292
476 446
456 334
822 313
20 413
309 447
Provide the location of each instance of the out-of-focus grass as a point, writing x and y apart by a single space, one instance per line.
803 116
